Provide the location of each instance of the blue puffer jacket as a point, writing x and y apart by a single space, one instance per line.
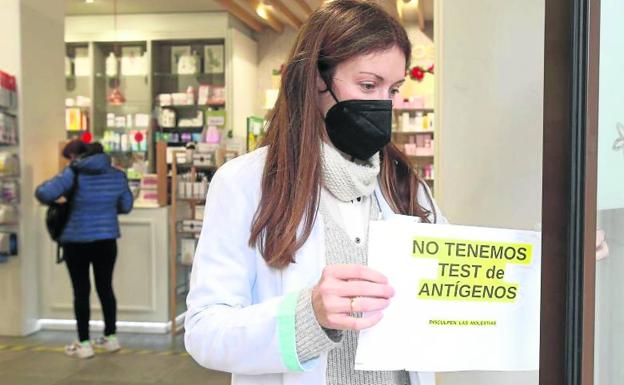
102 194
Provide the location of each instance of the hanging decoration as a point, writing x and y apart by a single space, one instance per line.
116 98
138 137
418 73
86 137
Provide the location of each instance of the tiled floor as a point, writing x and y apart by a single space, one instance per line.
145 359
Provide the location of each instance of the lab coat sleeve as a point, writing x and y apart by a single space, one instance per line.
226 329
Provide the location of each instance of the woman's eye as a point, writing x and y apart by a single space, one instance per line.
394 91
368 86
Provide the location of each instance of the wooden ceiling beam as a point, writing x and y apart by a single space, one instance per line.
302 4
291 18
238 12
266 14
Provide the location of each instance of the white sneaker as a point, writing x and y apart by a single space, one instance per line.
79 350
110 343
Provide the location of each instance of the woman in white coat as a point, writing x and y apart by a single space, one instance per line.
279 281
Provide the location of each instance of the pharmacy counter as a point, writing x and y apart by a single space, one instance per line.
140 279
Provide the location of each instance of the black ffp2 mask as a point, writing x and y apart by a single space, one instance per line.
359 128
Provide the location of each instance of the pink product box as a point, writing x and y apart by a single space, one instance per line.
12 83
410 149
427 171
408 103
146 195
424 151
149 181
5 93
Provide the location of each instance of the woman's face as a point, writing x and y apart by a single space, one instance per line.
374 76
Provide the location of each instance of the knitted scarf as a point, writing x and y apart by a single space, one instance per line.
347 179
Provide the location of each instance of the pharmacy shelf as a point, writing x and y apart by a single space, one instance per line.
8 110
429 132
426 110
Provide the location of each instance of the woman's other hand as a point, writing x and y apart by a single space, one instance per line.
602 249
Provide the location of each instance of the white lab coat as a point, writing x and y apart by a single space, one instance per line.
240 316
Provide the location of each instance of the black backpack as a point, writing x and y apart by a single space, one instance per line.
57 217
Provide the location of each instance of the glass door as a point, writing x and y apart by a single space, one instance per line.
609 313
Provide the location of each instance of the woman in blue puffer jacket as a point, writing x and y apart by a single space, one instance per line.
90 236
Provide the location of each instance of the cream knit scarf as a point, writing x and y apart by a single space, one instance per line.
346 179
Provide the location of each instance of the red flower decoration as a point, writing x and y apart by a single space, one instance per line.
417 73
138 137
86 137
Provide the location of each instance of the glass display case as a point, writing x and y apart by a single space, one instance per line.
78 102
122 105
189 91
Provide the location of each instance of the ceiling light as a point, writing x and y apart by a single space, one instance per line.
89 1
261 10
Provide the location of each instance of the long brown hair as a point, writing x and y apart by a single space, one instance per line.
291 180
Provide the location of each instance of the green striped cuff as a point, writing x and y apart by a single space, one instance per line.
286 332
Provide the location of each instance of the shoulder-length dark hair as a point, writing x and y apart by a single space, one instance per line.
291 180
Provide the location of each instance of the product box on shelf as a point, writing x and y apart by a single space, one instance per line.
199 212
204 159
181 99
9 191
215 118
148 198
216 95
192 190
203 91
8 129
8 245
210 94
165 100
148 191
167 118
187 250
9 164
8 214
191 226
8 90
76 119
197 121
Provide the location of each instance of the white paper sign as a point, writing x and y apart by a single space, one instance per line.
466 298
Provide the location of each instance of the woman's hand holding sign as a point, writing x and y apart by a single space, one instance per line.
346 289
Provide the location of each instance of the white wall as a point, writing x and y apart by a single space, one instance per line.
490 113
199 25
242 75
32 49
490 110
273 50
